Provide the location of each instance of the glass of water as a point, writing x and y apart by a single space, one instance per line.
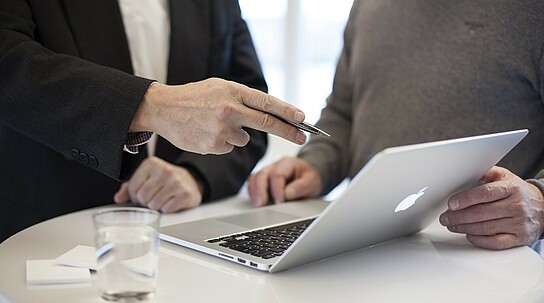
127 250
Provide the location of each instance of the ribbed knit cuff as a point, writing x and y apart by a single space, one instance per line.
540 184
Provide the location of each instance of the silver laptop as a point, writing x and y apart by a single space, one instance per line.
398 192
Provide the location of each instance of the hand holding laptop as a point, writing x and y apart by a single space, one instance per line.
504 212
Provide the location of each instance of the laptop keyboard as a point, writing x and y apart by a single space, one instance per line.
266 243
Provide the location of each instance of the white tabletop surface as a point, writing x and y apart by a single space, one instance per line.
431 266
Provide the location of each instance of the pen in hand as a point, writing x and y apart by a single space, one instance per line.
306 127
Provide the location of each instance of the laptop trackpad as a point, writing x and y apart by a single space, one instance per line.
258 219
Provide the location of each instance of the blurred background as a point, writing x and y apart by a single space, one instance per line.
298 43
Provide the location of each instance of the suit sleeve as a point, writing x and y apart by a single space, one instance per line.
66 103
224 175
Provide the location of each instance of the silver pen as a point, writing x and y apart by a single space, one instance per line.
306 127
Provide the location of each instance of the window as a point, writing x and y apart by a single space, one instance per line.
298 43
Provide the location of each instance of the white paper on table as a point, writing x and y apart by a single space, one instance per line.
146 264
48 272
79 256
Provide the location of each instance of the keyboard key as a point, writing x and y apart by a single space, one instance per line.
266 243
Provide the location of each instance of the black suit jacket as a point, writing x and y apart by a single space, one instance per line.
68 98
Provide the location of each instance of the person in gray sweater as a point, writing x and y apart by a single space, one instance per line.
423 70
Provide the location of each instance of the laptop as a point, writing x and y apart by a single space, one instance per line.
400 191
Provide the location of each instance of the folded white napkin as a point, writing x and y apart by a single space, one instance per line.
79 256
49 272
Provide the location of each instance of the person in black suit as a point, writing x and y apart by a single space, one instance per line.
70 104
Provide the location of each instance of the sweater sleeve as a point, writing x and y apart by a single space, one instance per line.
330 155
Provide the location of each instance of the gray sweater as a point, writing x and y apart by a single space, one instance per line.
415 71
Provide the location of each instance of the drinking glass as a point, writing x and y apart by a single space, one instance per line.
127 249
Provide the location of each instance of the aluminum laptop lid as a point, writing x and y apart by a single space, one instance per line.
400 191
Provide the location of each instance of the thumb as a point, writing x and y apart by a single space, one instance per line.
299 188
494 174
122 195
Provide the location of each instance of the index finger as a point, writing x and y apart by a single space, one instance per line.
266 122
257 188
485 193
281 172
264 113
269 104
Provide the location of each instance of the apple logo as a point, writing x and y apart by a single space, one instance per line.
410 200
